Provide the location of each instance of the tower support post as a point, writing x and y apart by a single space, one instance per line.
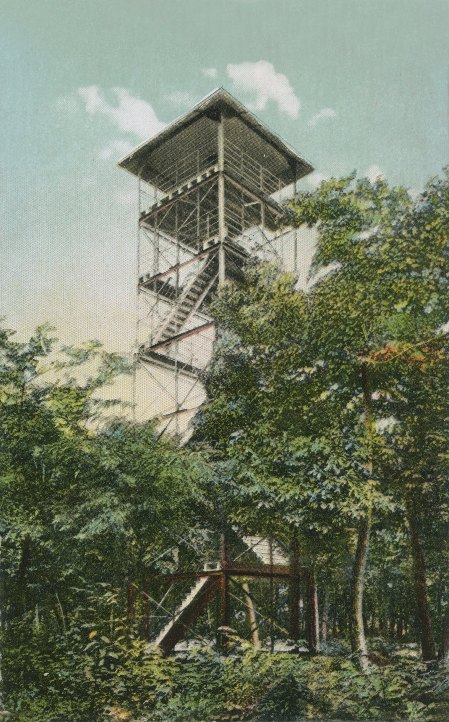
225 607
221 202
251 615
294 590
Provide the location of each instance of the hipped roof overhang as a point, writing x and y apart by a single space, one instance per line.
218 102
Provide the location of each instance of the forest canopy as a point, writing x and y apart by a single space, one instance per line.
325 429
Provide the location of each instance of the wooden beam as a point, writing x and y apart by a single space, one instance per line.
265 572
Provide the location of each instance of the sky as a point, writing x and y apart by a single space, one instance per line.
351 84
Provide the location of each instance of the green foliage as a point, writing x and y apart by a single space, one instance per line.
206 686
331 402
83 513
323 405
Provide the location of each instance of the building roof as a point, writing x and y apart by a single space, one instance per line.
218 101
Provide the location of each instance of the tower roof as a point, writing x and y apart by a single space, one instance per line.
188 129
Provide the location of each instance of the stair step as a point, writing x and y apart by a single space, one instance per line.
179 318
261 548
194 293
187 301
198 286
192 605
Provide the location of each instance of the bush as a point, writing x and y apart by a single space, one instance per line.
75 677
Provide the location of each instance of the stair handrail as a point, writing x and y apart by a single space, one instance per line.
181 298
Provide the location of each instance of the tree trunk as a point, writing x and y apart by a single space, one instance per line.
294 589
254 627
325 616
358 638
131 593
334 622
443 652
19 603
146 611
420 578
391 628
313 621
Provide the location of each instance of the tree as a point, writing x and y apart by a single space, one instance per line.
89 503
272 410
383 292
297 392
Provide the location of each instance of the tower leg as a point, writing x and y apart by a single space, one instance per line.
313 622
221 203
294 589
225 607
251 616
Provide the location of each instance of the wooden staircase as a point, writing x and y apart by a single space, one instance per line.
192 605
211 580
268 553
190 300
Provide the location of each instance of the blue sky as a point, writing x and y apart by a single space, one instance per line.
352 84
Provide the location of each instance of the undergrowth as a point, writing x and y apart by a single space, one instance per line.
103 680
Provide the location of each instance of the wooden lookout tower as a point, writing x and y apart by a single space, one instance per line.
211 186
211 192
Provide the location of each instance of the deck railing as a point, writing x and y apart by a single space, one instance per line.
252 173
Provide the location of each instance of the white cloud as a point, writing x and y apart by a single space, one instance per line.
115 149
314 179
210 72
130 114
323 114
181 98
373 173
261 80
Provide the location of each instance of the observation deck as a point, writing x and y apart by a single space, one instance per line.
211 191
